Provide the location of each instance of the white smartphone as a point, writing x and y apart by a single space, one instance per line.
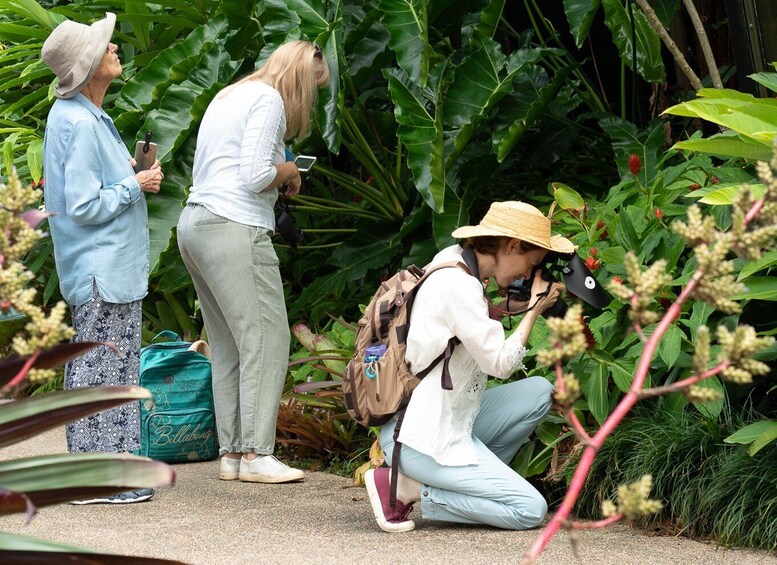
304 163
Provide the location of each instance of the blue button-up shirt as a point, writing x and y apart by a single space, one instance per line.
100 226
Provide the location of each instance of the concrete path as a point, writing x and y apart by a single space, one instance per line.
202 520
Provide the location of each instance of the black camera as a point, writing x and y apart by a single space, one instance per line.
286 225
578 280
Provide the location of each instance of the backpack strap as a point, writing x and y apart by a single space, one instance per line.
395 460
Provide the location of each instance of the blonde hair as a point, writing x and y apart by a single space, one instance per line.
297 70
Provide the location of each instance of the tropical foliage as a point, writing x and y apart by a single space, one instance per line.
435 109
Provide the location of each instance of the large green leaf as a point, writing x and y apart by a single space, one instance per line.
406 22
22 419
421 133
596 393
769 80
53 479
478 85
759 434
728 144
758 288
580 15
34 11
648 44
767 260
711 409
647 144
670 345
454 215
170 66
366 47
755 118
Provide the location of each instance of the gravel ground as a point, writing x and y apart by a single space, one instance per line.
202 520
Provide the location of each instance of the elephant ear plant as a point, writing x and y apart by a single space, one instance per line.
29 483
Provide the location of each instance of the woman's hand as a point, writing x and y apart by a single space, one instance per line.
540 286
293 184
151 180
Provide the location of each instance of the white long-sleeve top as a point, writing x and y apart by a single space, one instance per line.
450 303
239 143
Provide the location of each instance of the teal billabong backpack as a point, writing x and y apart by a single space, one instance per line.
178 424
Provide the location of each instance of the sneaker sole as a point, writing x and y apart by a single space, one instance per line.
377 508
115 501
270 479
228 476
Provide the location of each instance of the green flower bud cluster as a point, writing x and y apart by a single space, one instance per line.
701 354
749 240
702 394
571 390
567 337
739 347
17 238
719 282
699 229
633 500
646 286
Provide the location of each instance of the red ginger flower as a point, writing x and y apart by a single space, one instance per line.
592 264
590 340
593 251
635 164
694 186
617 280
659 213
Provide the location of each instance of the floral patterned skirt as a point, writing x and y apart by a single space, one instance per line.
116 430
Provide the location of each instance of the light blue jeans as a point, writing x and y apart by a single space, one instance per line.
489 492
235 272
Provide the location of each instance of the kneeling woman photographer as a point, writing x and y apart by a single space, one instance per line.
224 238
457 444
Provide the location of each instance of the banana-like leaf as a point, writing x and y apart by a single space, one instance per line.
769 80
332 98
728 144
406 21
455 214
54 357
580 15
756 120
23 419
53 479
421 133
649 63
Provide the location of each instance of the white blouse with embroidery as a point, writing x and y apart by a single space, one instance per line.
450 303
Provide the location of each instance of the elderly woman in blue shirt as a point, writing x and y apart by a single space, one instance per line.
99 230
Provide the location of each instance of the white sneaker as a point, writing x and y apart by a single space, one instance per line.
267 469
229 468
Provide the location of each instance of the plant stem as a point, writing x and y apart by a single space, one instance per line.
656 24
624 406
569 412
704 42
679 385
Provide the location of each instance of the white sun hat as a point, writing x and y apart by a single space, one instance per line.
74 52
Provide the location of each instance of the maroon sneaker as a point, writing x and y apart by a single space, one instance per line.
389 519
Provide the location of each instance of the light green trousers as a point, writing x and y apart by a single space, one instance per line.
235 272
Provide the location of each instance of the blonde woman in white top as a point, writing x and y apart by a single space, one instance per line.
457 444
224 238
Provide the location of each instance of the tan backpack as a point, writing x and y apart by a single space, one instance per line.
378 382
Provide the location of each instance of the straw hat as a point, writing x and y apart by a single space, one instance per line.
519 221
74 52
